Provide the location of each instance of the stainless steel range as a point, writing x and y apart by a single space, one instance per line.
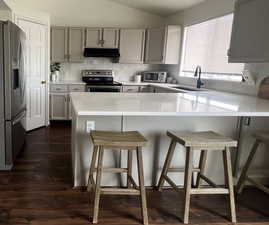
100 81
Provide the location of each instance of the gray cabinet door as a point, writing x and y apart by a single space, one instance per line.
132 42
59 106
249 42
59 44
155 43
76 44
94 37
110 38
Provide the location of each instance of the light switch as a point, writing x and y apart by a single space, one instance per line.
90 125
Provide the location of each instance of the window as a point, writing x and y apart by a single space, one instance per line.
206 45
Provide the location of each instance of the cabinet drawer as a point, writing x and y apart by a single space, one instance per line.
131 89
76 88
58 88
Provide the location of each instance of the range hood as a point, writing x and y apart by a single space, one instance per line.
102 52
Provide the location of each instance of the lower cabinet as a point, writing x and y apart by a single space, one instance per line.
136 89
59 105
60 102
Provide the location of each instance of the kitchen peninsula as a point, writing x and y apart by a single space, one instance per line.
153 114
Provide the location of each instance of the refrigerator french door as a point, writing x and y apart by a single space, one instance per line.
12 47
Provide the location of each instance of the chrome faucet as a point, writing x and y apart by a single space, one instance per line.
198 73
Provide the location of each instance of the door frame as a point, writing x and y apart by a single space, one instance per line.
46 24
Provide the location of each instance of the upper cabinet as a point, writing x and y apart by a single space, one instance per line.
110 38
76 44
67 44
102 38
132 42
59 44
250 35
163 45
94 38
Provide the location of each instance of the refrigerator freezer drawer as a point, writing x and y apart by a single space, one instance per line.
15 138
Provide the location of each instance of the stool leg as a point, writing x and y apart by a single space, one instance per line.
202 164
98 184
187 184
229 180
91 184
142 186
130 167
241 182
167 163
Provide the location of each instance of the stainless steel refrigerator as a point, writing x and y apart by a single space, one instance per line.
12 93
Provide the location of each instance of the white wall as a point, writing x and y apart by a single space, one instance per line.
202 12
90 13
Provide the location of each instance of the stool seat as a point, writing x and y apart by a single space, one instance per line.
200 140
261 135
118 139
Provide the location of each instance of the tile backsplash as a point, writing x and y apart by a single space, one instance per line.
123 72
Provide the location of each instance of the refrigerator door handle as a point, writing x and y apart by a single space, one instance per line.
17 120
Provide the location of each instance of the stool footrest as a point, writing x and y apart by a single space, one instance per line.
181 170
119 191
113 170
212 191
207 180
169 181
258 185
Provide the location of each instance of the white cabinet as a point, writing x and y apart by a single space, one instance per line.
102 38
131 89
132 43
110 38
67 44
60 103
58 106
250 35
93 38
137 89
59 44
76 44
163 45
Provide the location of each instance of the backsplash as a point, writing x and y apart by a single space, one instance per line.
123 72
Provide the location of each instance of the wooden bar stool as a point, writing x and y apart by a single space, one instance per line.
130 141
203 141
261 138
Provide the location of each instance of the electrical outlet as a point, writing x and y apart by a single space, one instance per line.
90 125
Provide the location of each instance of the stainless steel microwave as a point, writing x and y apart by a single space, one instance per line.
155 77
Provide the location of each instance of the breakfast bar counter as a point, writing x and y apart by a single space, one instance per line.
153 114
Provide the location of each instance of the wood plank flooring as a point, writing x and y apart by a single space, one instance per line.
38 191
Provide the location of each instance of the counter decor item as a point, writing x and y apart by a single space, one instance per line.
169 80
264 89
138 78
55 72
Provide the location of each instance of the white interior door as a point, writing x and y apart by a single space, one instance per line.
35 73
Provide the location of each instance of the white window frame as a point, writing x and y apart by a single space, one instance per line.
183 51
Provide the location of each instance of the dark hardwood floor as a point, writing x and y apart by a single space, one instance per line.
38 191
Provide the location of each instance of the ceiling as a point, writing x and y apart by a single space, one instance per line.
160 7
3 5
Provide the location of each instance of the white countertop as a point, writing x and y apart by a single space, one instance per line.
203 103
66 82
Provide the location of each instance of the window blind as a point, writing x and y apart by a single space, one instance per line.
206 44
